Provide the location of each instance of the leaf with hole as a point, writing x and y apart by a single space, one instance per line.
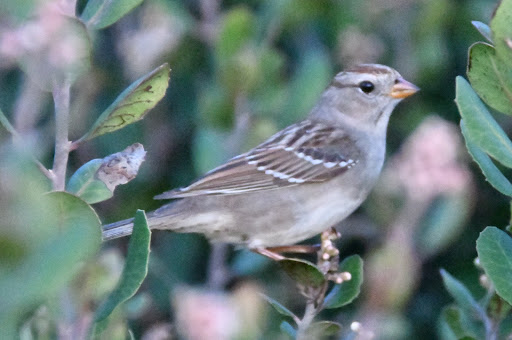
133 103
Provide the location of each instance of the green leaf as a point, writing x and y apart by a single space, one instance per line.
461 294
237 28
279 307
85 185
502 31
453 320
491 172
481 126
303 272
442 224
53 262
96 180
484 29
347 291
494 248
134 271
288 329
99 14
322 329
490 77
215 108
133 103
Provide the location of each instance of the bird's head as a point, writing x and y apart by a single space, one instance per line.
363 96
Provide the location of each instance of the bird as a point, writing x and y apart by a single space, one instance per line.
301 181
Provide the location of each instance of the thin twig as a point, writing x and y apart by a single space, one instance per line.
61 95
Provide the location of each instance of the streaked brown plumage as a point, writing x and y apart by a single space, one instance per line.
301 181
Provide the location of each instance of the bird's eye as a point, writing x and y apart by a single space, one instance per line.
366 86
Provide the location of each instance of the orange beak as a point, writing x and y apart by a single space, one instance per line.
403 89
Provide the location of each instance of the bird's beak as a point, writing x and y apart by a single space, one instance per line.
403 89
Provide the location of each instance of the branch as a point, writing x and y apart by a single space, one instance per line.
61 95
309 314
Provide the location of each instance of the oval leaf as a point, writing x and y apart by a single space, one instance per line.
347 291
53 262
133 103
304 272
288 329
482 129
85 185
502 31
99 14
453 322
322 329
279 307
490 77
461 294
134 271
484 30
494 248
443 223
96 180
491 172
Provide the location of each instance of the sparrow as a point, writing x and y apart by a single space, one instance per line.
302 180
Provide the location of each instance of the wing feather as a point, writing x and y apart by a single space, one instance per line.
303 153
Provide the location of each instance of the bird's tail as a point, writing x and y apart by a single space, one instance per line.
117 229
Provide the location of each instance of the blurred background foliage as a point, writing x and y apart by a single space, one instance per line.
242 70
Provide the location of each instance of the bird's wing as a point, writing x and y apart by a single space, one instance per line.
306 152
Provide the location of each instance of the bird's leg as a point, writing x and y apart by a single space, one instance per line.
296 249
274 253
268 253
325 250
